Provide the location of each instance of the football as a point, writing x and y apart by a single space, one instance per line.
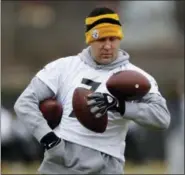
128 85
83 114
52 111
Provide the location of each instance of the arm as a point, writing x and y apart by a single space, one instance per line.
45 84
27 108
151 111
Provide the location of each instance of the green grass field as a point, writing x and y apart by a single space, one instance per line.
130 168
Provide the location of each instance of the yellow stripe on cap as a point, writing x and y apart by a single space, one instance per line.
104 30
90 20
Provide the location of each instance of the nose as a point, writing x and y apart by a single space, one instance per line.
107 44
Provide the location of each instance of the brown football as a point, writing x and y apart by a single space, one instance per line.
83 114
128 85
52 111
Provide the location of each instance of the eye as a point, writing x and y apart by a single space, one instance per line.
102 39
113 38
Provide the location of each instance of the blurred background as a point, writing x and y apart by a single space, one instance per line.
33 33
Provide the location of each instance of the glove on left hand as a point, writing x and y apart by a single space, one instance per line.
100 103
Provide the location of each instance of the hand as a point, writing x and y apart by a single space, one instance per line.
50 140
100 103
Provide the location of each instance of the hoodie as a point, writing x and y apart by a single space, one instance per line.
86 57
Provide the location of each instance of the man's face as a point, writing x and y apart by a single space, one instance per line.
105 50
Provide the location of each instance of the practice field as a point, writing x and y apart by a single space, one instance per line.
147 168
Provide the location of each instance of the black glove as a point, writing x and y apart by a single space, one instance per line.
100 103
50 140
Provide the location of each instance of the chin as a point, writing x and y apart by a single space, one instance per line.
106 61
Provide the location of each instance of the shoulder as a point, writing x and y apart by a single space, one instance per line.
152 80
59 66
63 62
131 66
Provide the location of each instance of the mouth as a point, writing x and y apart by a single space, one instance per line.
106 54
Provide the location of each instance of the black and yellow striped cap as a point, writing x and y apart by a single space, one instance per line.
101 26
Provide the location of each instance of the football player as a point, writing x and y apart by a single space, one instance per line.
70 147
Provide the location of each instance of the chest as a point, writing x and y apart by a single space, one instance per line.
88 78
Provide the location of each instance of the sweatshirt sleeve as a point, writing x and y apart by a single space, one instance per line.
27 107
151 111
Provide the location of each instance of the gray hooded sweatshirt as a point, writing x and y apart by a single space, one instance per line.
151 111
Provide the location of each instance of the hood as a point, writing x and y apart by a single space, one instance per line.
85 56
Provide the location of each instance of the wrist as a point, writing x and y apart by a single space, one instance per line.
121 107
50 140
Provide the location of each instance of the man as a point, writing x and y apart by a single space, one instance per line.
70 147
